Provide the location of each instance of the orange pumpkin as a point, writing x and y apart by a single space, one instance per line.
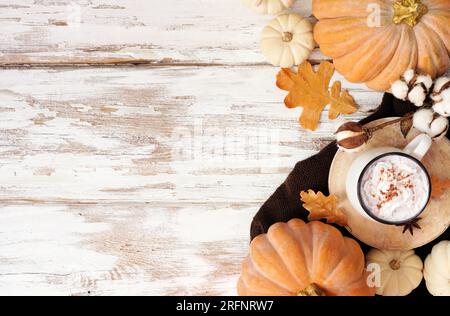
311 259
376 41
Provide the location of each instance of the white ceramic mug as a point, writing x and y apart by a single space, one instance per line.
415 151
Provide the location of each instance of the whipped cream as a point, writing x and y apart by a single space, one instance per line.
395 188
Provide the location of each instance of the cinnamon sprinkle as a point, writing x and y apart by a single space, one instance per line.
395 178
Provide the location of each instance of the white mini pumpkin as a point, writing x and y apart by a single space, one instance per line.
287 40
271 7
437 269
401 271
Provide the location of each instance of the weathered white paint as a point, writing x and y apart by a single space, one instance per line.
122 249
158 134
137 31
138 179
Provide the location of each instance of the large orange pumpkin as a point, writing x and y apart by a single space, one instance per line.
296 258
376 41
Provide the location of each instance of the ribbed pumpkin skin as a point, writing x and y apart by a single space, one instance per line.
293 255
437 269
268 6
294 52
400 280
377 56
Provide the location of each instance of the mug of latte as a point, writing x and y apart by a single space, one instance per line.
390 185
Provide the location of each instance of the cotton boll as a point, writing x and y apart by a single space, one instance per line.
419 91
412 87
426 80
440 91
443 107
439 84
422 120
426 121
445 95
400 89
417 95
441 96
408 75
439 127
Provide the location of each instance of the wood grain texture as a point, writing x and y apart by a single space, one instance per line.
132 31
122 249
158 134
139 172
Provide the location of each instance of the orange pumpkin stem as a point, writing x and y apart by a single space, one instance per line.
409 11
312 290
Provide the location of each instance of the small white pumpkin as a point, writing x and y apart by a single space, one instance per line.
287 40
401 271
271 7
437 269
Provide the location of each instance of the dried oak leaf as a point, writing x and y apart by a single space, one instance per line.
439 187
322 207
310 90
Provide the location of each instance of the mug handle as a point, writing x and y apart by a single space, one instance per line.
419 146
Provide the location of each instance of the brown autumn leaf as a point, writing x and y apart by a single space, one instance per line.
322 207
310 90
439 187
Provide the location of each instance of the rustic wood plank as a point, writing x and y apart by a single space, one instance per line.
132 31
186 134
101 196
139 180
122 249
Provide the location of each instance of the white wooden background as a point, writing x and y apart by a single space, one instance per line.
137 140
